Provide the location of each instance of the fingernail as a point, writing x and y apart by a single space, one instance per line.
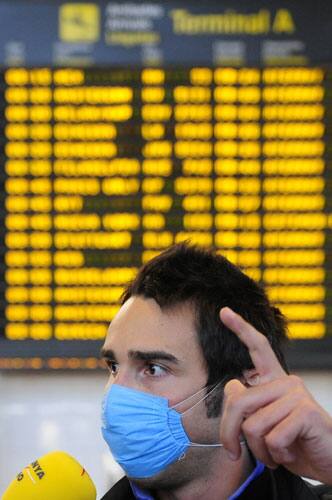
232 455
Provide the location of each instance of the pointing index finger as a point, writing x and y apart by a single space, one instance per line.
260 350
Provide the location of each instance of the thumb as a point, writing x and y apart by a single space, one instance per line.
230 426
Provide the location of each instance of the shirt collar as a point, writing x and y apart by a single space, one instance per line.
140 494
254 474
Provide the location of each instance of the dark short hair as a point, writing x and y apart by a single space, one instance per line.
208 281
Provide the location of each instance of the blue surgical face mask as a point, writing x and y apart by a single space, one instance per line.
144 434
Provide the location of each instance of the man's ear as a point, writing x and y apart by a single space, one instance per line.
250 377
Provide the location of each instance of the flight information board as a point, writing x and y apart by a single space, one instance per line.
103 167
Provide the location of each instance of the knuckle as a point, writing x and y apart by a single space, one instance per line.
250 429
274 443
296 381
309 410
295 397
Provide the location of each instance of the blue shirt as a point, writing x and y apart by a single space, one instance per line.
145 495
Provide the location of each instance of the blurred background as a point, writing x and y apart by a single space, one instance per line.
126 127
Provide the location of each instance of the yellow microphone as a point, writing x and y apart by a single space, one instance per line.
54 476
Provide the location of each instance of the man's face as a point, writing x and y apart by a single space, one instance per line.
157 351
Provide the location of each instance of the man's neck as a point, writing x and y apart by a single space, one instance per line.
223 480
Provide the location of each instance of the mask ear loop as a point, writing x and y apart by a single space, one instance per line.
203 399
213 387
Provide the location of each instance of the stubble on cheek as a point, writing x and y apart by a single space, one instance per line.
195 465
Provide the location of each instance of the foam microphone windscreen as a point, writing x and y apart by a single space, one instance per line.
55 476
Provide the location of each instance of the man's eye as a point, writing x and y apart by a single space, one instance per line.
155 370
112 366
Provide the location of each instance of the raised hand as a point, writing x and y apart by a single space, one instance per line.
279 418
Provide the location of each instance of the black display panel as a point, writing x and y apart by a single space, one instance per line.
105 165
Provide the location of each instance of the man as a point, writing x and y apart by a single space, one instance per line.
193 411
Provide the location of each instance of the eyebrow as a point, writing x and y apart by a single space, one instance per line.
141 355
152 355
107 354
